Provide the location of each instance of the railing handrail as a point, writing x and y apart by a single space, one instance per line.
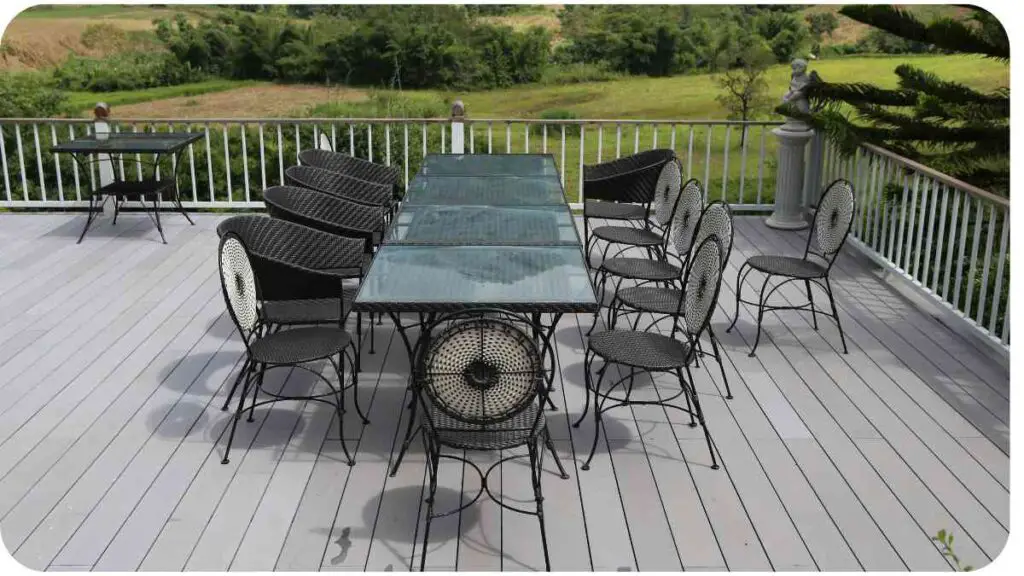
939 176
469 120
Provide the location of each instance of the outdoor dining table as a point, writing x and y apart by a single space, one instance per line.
91 149
480 231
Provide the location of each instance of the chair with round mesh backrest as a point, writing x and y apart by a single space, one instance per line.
655 352
267 349
660 301
831 225
680 220
660 201
479 378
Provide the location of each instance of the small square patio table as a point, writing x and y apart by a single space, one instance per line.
480 231
114 147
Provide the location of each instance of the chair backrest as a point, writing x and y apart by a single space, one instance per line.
238 283
685 218
479 367
351 166
628 179
341 185
716 220
832 222
701 284
666 192
324 212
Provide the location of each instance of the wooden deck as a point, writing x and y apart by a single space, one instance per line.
115 356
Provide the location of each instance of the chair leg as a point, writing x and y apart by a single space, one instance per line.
597 417
558 461
236 418
339 409
603 279
588 359
739 289
238 380
835 314
359 342
760 315
355 387
721 365
689 389
433 458
810 298
536 470
256 391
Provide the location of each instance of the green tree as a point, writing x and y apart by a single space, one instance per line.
946 125
822 24
744 86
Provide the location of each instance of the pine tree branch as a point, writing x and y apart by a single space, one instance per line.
912 78
944 33
854 93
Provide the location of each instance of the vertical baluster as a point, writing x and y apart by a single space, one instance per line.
1005 336
870 224
618 141
544 131
672 138
562 164
986 266
21 161
120 157
579 174
472 146
245 161
940 239
369 141
654 141
879 207
352 140
979 222
508 137
405 152
922 267
960 255
92 165
743 158
263 159
600 141
387 144
316 137
298 144
890 217
280 153
909 225
950 243
636 138
997 294
423 133
39 162
689 155
192 166
442 139
227 160
138 157
56 164
74 166
334 137
526 140
490 137
725 166
707 162
156 157
209 158
3 159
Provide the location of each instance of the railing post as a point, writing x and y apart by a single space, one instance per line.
458 124
101 128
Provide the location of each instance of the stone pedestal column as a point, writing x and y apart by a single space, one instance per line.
789 178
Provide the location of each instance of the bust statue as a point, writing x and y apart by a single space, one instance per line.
798 80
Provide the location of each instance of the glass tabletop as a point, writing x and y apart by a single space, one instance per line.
129 143
483 225
417 278
489 165
485 191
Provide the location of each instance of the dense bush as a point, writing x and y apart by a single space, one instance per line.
578 72
124 71
30 95
553 114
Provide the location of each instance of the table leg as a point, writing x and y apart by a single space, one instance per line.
177 191
411 429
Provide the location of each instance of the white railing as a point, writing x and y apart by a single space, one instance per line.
949 238
237 159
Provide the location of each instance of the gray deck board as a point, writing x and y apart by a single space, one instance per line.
116 356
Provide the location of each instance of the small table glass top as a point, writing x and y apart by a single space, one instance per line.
129 143
409 278
489 165
483 225
485 191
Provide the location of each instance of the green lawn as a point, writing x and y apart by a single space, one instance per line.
79 101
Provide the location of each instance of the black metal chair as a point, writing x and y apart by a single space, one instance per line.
265 349
342 186
660 302
479 378
680 212
654 352
829 229
649 235
621 189
304 274
352 166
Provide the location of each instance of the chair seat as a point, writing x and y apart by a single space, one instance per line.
299 345
627 235
641 268
787 266
651 299
510 433
613 210
646 350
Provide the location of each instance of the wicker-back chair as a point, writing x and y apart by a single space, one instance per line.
479 377
621 189
660 301
342 186
654 352
352 166
325 212
266 349
829 229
